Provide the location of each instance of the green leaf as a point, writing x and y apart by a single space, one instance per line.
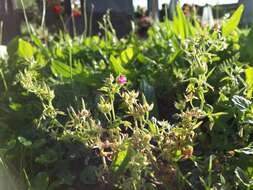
153 128
25 49
88 175
249 81
49 157
15 106
65 71
24 141
78 73
122 159
233 22
20 48
181 25
117 65
127 55
246 150
37 41
65 176
248 49
242 177
241 103
40 181
149 93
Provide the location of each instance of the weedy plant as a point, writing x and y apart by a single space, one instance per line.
131 146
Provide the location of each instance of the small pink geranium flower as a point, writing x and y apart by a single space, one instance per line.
122 79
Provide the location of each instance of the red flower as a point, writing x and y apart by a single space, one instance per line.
57 9
122 79
76 12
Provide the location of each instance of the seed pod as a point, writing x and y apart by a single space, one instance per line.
188 151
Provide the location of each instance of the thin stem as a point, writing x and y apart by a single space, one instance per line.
85 18
166 14
91 17
43 14
108 18
70 62
147 116
107 117
141 122
113 110
4 81
110 117
26 18
135 123
210 172
73 25
1 32
104 163
105 29
27 179
63 23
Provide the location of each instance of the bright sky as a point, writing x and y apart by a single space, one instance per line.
199 2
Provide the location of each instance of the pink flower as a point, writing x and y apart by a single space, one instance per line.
122 79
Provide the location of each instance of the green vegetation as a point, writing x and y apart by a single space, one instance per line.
27 3
182 120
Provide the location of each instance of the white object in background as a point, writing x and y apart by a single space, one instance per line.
3 52
207 18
